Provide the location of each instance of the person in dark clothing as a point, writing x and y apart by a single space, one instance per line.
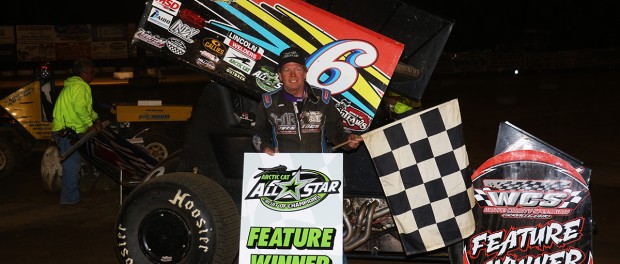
299 118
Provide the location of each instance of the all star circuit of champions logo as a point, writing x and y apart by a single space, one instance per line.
292 190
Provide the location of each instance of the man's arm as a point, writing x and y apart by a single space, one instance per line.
335 130
83 107
263 139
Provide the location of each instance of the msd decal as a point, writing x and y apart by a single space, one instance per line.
170 6
292 190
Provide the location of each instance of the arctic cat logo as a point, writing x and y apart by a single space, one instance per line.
287 191
239 61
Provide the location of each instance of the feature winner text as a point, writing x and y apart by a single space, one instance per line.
302 238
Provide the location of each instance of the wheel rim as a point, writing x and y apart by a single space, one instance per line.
51 169
157 150
164 236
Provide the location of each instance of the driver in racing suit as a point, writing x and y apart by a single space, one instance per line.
299 118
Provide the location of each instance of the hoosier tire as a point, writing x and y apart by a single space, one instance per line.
178 218
51 172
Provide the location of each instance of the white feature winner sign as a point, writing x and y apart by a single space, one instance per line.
291 210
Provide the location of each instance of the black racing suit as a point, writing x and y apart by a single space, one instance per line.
298 127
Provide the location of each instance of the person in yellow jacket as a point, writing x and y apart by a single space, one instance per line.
73 115
402 106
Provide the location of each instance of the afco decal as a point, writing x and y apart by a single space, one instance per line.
292 190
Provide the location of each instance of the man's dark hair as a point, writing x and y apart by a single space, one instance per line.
82 65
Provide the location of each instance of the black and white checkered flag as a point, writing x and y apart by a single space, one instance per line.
422 164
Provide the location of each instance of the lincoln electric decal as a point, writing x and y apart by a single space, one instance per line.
291 210
532 207
238 43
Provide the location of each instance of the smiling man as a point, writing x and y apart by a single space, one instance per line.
299 118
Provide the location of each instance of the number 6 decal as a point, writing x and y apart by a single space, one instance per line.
328 70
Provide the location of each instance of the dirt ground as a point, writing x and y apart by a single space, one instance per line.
575 112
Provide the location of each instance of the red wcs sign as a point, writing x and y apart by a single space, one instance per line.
532 207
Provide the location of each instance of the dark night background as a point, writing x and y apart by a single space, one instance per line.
526 25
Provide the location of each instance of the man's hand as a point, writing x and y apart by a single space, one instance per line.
269 151
97 126
354 141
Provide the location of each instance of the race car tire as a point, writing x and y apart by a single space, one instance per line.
51 169
8 159
158 146
51 172
179 217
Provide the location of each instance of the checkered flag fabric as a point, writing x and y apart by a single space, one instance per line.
422 164
527 185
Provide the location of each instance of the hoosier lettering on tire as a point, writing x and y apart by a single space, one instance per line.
178 218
